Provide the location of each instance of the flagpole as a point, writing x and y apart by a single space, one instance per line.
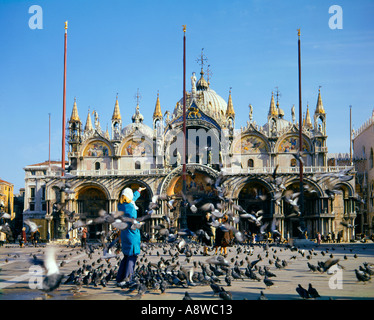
183 222
64 106
301 197
350 136
49 143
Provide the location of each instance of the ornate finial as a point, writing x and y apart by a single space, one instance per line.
184 28
277 94
202 59
319 88
202 84
66 25
138 97
208 74
298 32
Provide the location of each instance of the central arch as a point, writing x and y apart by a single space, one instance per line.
197 186
89 201
255 195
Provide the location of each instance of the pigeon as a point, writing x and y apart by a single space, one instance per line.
6 229
33 226
53 277
362 276
220 260
187 296
329 263
225 295
215 287
4 215
262 296
268 282
303 293
313 293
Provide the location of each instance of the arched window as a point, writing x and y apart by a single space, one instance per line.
138 165
250 163
293 162
97 165
371 162
331 162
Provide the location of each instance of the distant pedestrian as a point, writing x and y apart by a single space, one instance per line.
84 237
224 238
319 238
23 237
36 237
207 240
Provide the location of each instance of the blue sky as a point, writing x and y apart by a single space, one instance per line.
120 46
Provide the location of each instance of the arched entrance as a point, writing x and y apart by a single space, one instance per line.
255 196
311 210
197 187
90 200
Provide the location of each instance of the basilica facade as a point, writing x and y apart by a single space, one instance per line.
102 163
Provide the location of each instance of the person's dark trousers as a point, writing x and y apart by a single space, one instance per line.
126 268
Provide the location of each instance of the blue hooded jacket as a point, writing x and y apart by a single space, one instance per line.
130 239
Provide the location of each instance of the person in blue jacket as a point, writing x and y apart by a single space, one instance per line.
130 239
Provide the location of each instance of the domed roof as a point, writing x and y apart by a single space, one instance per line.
280 125
141 127
207 100
137 124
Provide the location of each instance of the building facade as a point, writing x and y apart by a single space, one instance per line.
6 202
102 164
363 155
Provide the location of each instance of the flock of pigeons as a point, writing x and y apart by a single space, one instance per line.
180 265
178 242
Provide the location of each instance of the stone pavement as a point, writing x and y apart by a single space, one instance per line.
17 279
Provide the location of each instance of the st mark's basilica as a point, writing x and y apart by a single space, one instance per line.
102 163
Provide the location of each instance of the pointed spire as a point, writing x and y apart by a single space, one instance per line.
74 113
308 121
157 113
319 108
107 133
273 111
116 112
88 126
230 107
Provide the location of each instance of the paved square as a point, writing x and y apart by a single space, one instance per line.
19 278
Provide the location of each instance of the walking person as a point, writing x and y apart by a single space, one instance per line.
23 237
36 237
223 238
208 229
130 239
218 238
84 237
319 238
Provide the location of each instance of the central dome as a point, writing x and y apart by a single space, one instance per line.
207 100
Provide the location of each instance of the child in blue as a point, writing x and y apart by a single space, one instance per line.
130 239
